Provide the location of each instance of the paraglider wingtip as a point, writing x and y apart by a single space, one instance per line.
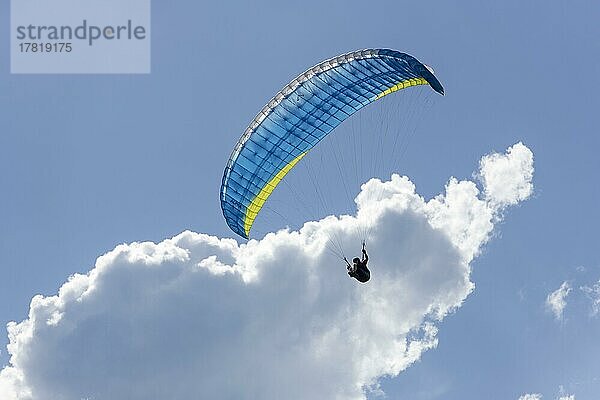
437 87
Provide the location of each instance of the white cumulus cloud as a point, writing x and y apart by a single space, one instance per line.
507 178
197 316
538 396
557 300
593 294
531 396
563 394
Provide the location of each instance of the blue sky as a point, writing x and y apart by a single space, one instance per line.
91 161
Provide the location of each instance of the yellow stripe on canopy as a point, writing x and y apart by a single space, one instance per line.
258 202
402 85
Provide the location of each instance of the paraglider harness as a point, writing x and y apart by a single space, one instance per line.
358 269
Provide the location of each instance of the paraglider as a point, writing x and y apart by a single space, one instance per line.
358 269
298 117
